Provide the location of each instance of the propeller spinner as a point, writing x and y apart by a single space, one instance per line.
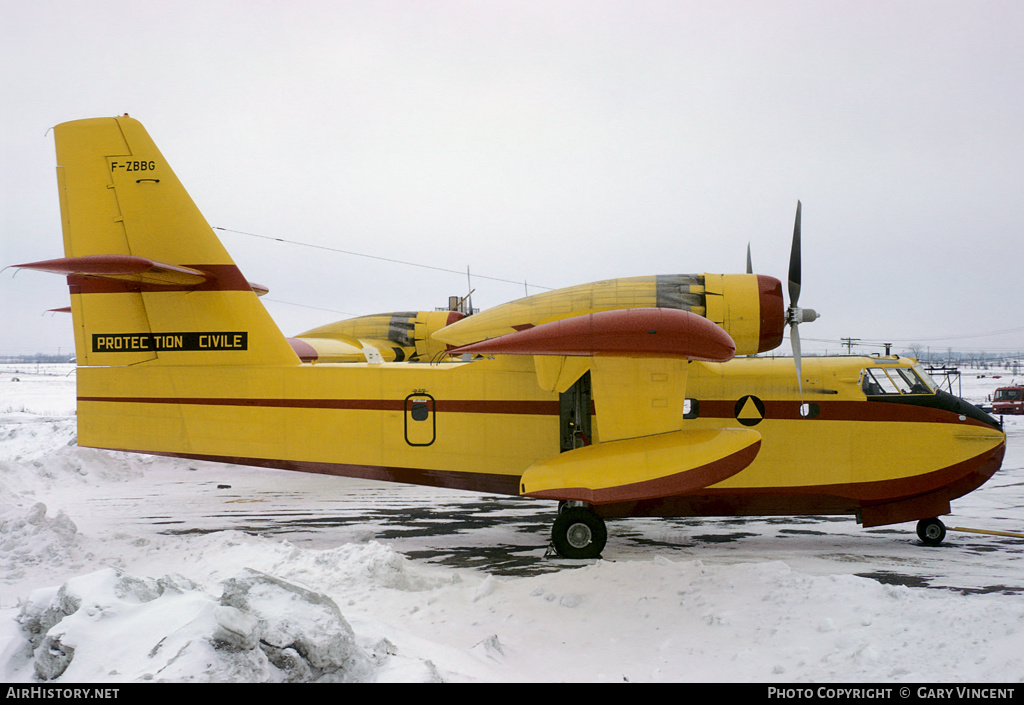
794 314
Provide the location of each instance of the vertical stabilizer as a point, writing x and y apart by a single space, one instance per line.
150 281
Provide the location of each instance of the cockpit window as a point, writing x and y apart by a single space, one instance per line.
896 380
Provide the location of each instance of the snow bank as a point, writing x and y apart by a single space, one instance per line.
29 538
108 625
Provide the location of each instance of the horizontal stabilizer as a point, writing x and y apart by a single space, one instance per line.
636 469
633 332
123 268
131 269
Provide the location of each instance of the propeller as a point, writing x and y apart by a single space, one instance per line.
794 314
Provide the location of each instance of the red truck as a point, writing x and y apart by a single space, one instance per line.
1008 400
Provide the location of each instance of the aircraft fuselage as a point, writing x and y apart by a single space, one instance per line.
479 425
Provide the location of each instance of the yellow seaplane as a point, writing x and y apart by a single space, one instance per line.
639 396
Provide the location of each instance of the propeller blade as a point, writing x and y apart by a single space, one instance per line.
794 262
794 338
750 267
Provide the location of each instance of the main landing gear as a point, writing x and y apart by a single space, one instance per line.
578 532
931 531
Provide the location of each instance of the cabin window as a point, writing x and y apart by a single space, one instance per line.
894 380
691 408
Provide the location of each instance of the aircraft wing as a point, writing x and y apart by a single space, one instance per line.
637 359
628 333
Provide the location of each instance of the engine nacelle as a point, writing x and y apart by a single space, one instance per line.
380 337
749 307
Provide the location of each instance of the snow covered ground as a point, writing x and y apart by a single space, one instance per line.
117 568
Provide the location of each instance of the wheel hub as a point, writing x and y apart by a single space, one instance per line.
579 535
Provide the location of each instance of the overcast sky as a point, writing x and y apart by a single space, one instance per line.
550 143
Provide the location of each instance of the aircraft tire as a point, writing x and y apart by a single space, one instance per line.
578 532
931 531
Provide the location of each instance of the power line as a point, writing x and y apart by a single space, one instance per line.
909 341
376 257
315 308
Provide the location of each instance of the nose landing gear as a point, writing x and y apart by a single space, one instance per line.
931 531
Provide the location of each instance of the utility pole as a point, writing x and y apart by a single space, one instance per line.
849 342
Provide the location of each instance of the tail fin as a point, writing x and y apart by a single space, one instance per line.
150 282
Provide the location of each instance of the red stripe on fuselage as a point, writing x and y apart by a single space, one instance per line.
465 406
709 409
840 411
